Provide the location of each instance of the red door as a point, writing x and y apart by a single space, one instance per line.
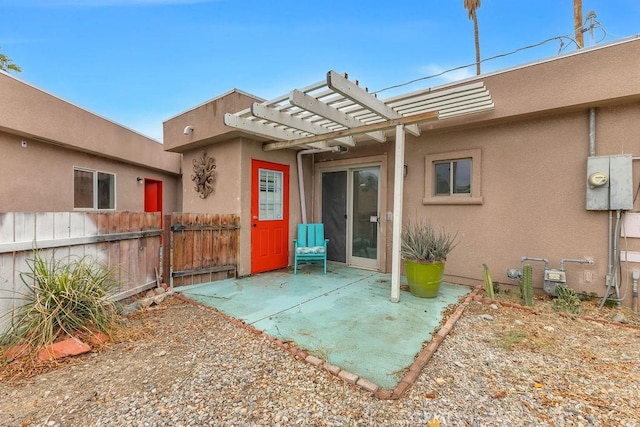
152 195
269 216
153 198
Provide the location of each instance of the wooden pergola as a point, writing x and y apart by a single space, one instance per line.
334 111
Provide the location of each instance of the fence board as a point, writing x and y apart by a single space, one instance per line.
127 242
203 248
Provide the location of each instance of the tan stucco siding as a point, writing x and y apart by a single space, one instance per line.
226 196
590 78
31 112
206 122
533 191
39 177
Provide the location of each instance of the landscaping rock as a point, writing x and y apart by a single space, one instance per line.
64 348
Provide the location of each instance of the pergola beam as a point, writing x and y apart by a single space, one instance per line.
309 103
273 115
360 96
261 129
364 129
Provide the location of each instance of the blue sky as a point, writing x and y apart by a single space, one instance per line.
140 62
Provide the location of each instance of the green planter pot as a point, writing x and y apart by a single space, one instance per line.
424 278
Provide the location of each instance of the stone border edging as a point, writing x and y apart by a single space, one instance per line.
426 353
383 394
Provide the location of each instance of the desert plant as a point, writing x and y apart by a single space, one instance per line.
63 296
527 285
488 284
421 242
566 300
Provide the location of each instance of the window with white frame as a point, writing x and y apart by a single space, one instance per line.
271 191
93 189
453 178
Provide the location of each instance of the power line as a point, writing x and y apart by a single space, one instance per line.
594 24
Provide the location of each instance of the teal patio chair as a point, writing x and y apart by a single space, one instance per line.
310 246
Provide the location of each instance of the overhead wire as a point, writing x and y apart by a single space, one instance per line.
594 24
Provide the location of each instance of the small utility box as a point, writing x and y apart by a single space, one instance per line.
609 183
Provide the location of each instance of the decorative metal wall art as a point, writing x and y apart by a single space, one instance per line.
204 175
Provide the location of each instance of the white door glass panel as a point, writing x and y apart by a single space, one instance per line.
270 197
365 221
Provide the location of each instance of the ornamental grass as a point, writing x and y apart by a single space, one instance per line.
63 297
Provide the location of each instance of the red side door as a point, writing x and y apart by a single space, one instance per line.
152 195
269 216
153 198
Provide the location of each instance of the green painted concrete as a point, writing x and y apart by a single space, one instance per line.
344 317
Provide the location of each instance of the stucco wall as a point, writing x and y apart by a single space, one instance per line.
31 112
39 177
226 196
233 188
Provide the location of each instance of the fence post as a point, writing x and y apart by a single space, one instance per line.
166 250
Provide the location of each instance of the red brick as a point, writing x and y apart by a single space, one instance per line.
384 394
411 376
335 370
98 338
400 389
437 339
18 351
65 348
367 385
348 377
422 359
313 360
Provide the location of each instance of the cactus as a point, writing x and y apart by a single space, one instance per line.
527 285
488 284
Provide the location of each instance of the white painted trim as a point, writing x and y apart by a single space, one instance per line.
398 188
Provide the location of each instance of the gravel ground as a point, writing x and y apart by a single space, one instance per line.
186 366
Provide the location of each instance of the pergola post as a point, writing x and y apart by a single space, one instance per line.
398 188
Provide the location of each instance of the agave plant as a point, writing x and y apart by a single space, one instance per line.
62 297
422 242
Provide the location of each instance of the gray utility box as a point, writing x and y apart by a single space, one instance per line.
609 183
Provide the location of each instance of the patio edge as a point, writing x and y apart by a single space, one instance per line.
407 381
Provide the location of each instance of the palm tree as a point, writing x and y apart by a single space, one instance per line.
577 23
472 6
7 64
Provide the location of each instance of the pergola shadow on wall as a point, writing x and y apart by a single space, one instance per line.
329 115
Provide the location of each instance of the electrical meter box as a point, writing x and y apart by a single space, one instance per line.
609 183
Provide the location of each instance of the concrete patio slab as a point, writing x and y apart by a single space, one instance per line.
344 317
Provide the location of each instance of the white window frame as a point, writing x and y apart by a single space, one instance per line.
95 173
474 198
271 193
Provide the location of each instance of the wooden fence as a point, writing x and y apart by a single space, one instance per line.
127 242
202 247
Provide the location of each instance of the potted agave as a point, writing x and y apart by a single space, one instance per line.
424 250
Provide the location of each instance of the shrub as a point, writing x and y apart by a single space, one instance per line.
566 300
63 297
422 242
